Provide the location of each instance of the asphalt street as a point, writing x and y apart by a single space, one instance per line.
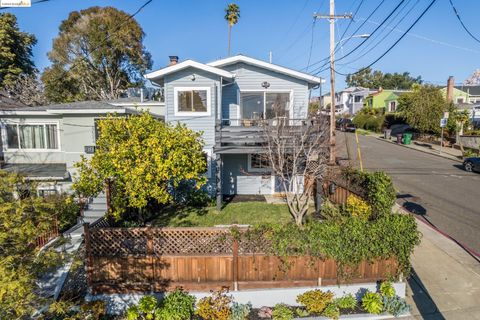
436 188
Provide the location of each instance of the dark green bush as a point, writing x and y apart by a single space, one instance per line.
349 242
377 188
66 210
373 122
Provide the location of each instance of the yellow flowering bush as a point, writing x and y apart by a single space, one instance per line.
357 207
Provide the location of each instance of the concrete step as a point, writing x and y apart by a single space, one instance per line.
94 213
97 206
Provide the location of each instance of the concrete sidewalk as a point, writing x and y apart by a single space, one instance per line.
447 152
445 283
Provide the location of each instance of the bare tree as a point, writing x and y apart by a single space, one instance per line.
28 90
297 151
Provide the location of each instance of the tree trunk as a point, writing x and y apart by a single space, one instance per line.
229 35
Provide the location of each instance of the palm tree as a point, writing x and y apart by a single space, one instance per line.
232 14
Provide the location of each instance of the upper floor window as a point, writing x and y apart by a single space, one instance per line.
256 105
358 99
32 136
192 101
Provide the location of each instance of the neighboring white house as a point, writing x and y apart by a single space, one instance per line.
349 100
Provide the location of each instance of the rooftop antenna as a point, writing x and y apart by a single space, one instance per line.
270 56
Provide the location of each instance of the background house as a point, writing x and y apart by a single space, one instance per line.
43 143
387 99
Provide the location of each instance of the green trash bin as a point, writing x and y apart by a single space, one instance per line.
407 138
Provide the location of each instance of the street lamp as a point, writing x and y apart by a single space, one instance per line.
361 36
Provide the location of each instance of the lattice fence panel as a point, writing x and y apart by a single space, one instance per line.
114 242
191 241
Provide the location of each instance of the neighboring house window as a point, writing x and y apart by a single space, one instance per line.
258 163
32 136
257 105
358 98
48 192
392 106
192 101
460 100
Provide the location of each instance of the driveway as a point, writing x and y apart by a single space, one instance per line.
438 189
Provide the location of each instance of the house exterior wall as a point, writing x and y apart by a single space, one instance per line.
22 156
250 78
203 123
237 179
457 95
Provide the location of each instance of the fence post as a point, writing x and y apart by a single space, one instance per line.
150 255
88 249
235 265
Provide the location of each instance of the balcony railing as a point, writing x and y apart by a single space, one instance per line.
250 132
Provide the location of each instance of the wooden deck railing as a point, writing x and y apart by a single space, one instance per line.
44 238
124 260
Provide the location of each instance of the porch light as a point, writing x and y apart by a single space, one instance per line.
265 84
192 77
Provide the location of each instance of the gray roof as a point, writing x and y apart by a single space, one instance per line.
54 171
473 90
79 105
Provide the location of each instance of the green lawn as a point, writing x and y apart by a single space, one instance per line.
250 212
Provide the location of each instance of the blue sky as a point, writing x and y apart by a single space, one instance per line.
435 48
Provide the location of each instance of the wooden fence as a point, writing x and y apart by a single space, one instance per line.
124 260
44 238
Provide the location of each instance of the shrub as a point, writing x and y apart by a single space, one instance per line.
315 300
372 302
215 307
282 312
177 305
395 305
357 207
381 194
346 302
330 211
66 210
386 289
240 311
302 312
331 311
187 193
146 309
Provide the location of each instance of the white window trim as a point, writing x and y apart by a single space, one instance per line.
176 90
210 162
5 138
250 169
265 91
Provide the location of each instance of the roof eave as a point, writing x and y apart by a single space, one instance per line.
159 74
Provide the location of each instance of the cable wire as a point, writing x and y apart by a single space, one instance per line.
396 42
361 43
354 32
461 21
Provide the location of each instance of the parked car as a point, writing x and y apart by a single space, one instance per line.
472 164
345 124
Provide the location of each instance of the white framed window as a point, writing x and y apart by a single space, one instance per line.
392 106
258 163
192 101
34 136
210 162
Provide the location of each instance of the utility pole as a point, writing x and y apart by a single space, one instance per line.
332 18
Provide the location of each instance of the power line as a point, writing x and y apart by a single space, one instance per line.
311 44
396 42
354 32
372 33
391 29
461 21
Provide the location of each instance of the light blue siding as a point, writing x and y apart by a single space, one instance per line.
183 78
237 180
248 77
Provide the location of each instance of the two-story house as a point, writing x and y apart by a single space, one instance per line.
229 100
351 100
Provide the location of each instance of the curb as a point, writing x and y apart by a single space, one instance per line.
420 150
